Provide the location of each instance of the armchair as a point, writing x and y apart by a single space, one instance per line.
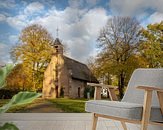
137 106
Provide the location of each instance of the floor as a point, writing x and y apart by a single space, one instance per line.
57 121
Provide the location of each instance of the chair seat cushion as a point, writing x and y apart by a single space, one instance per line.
131 111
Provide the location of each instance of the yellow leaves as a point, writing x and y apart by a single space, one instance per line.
34 52
151 48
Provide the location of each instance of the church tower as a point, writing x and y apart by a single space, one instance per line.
58 46
52 76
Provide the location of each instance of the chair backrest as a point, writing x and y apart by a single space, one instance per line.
143 77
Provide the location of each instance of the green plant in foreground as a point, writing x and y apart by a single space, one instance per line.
18 99
8 126
4 73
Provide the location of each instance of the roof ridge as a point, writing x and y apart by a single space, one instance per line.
75 60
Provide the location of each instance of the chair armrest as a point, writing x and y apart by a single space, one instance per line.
111 90
159 93
148 101
147 88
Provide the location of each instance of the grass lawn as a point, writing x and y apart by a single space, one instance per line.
3 101
70 105
65 104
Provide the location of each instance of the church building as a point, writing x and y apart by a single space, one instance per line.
65 77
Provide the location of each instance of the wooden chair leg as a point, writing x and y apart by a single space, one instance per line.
94 121
146 110
160 98
124 125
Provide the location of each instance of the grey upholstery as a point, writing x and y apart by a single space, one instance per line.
132 111
115 108
131 105
143 77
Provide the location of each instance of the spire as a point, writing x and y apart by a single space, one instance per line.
57 32
57 40
57 43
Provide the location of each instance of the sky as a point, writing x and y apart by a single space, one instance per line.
79 21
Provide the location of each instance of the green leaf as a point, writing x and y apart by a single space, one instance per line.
4 71
19 99
8 126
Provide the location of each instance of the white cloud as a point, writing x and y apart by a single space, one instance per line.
136 7
2 17
4 51
17 22
7 3
157 5
76 3
82 3
33 8
13 39
79 26
22 19
145 11
79 29
155 18
92 2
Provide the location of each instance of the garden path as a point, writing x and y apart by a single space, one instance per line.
41 107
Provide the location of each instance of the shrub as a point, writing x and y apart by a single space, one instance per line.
90 90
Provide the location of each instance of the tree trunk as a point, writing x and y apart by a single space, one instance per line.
33 76
121 85
109 81
56 89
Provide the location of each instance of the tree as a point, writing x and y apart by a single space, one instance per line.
118 41
99 68
151 47
18 99
34 52
17 79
